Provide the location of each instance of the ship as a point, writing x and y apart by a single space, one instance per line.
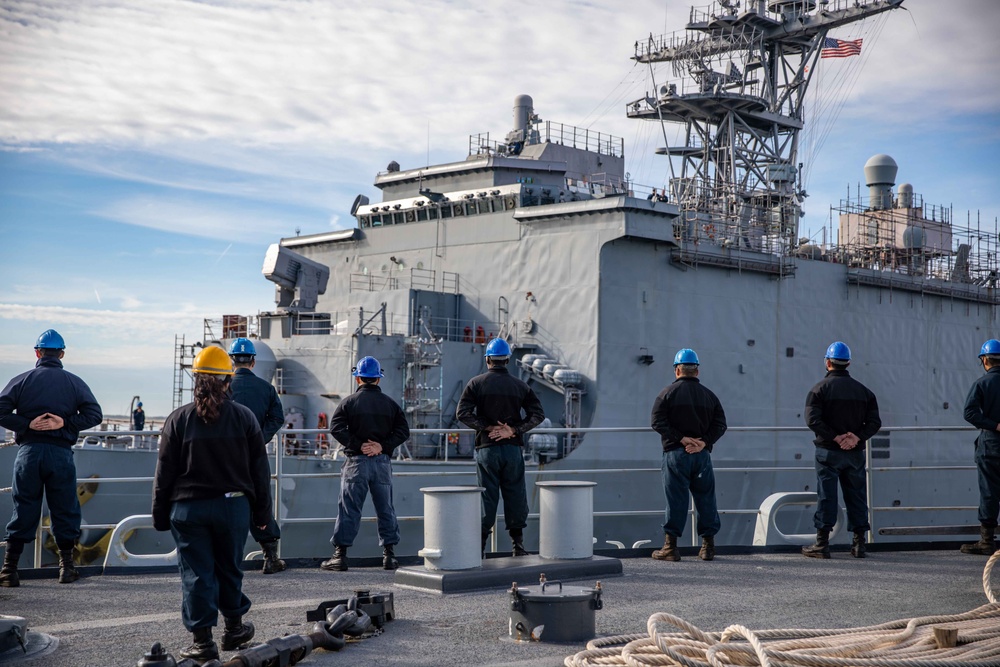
539 236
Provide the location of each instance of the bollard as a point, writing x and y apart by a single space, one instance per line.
566 519
452 527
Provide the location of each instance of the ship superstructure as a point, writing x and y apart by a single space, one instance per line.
540 237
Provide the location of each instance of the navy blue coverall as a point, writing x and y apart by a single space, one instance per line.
262 398
44 462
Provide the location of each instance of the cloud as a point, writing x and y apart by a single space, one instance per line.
289 101
196 218
126 321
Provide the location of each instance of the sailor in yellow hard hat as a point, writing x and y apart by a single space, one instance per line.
212 479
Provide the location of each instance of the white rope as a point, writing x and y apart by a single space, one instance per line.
902 643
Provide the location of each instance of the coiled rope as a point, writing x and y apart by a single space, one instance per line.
903 643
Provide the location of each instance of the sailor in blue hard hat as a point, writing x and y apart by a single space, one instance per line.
138 417
982 410
690 420
262 398
492 403
369 425
46 408
843 415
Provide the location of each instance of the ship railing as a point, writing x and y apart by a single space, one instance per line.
874 453
554 133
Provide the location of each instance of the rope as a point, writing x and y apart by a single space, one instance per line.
9 443
902 643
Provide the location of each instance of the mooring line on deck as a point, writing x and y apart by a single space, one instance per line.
968 639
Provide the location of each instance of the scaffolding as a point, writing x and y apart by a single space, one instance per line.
183 381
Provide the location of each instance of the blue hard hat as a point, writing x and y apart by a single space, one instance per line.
838 351
368 368
50 340
497 347
990 348
686 357
242 347
139 404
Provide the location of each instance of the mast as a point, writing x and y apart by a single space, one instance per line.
742 111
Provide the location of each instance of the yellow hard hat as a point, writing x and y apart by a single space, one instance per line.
213 361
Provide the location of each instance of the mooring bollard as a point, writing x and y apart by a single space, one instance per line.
452 527
566 519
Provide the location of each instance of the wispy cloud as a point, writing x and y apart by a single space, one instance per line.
298 89
106 339
196 218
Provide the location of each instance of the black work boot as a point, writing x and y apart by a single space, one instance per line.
985 546
67 570
237 633
338 562
272 563
8 575
822 547
389 561
669 550
707 551
517 541
203 649
858 546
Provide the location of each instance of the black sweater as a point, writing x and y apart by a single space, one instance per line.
368 414
688 409
840 404
497 397
199 460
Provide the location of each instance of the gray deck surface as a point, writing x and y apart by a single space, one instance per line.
112 620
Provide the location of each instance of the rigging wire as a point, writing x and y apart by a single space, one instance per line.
831 102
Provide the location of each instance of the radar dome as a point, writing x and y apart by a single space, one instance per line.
905 196
880 170
265 363
913 237
880 175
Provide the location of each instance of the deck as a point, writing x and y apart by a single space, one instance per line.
112 620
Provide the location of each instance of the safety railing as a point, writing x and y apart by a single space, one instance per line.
279 475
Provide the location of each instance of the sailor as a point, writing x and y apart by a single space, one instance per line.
138 417
492 404
261 397
843 413
982 410
690 420
212 478
369 425
46 408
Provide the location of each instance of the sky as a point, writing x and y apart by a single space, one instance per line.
151 150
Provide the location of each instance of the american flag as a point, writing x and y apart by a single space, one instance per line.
840 48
